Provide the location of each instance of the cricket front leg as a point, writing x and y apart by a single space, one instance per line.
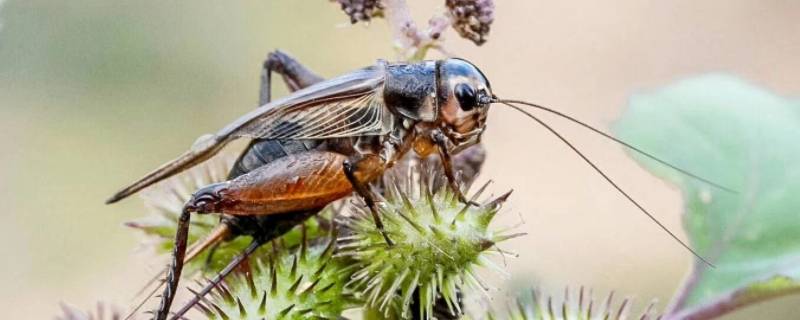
360 171
447 163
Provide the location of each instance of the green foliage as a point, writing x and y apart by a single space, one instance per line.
743 137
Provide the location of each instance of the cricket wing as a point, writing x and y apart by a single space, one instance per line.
346 106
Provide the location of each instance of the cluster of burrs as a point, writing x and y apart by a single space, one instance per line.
306 283
532 305
472 19
361 10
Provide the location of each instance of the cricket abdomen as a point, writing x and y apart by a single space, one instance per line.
264 151
302 181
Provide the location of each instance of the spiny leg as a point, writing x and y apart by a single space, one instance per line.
174 274
447 163
295 75
361 167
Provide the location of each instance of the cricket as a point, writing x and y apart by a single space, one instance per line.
331 138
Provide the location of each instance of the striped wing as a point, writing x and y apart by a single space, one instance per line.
347 106
358 115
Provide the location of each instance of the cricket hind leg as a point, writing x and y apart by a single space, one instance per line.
262 151
174 273
295 75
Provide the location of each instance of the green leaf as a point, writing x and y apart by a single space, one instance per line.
743 137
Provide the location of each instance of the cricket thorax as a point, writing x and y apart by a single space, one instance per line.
410 90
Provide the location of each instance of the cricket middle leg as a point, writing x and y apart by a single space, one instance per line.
360 171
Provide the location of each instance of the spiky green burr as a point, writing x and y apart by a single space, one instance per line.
305 284
438 243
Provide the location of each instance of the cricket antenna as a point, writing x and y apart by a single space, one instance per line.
623 143
603 174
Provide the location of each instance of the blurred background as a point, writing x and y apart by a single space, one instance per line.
95 93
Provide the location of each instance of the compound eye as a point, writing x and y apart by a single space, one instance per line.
466 97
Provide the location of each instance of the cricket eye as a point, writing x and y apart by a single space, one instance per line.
465 95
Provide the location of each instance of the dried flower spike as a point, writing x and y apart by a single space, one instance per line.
361 10
471 18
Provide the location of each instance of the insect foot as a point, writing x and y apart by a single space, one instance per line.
446 238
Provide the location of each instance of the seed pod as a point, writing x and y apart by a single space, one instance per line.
361 10
471 18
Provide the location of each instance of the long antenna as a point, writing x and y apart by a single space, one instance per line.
613 184
612 138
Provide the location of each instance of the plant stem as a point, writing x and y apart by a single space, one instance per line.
725 305
404 30
412 43
679 300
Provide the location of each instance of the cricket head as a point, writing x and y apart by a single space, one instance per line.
464 99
